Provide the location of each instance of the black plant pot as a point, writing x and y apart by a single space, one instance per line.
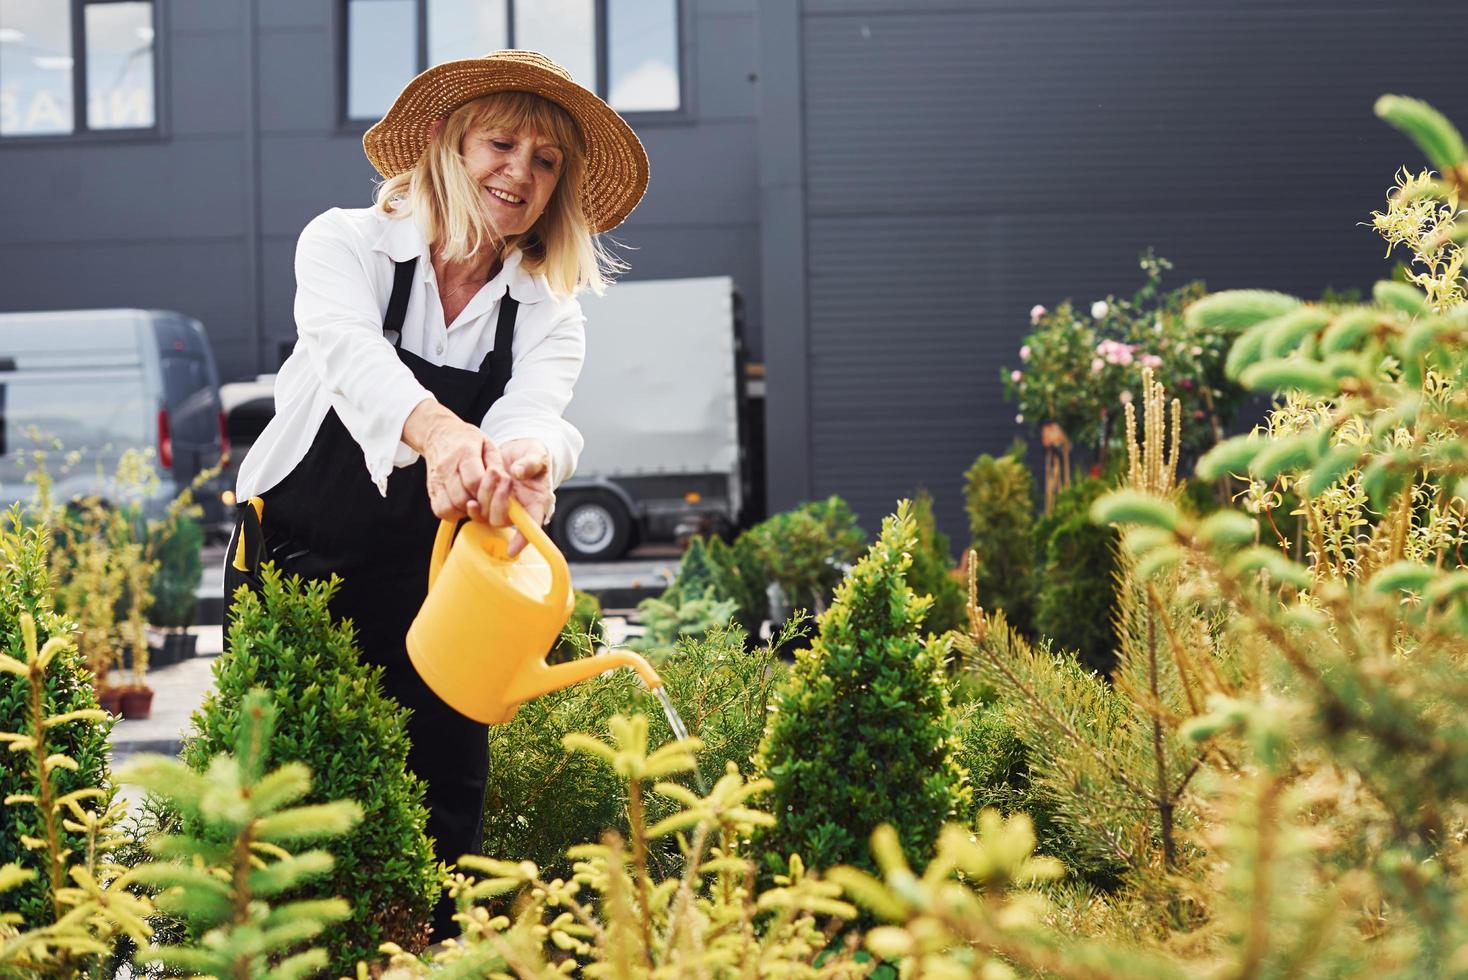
162 656
183 645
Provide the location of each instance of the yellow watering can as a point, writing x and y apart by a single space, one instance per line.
481 637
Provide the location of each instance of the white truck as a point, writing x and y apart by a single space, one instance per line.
659 402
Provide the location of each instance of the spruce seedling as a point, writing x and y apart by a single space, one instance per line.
613 918
85 914
221 881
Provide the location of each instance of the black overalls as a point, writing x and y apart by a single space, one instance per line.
327 516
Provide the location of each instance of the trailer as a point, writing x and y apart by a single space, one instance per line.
659 402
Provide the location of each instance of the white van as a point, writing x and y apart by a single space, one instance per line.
101 382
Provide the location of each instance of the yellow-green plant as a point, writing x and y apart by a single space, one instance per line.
90 903
137 577
613 919
106 557
222 881
1341 780
1422 215
90 577
1106 759
976 912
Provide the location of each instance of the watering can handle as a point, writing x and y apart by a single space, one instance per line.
538 539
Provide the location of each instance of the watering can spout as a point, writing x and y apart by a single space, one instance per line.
544 678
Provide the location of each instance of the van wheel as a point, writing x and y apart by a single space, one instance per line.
592 526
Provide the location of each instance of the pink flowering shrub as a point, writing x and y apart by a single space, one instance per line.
1082 362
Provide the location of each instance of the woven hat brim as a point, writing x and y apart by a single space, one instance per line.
616 162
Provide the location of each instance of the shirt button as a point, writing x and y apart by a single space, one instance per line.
439 349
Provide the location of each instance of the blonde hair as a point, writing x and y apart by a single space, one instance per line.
559 246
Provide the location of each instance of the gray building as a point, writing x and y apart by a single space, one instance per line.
891 183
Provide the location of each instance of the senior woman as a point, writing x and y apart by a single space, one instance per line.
439 340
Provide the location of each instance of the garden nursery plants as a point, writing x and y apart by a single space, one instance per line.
1269 783
38 832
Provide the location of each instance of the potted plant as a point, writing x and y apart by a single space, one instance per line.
90 581
138 572
176 544
136 699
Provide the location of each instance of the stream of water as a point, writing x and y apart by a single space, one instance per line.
680 731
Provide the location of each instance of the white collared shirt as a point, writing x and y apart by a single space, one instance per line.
344 274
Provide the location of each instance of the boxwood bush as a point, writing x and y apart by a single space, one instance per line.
861 733
334 717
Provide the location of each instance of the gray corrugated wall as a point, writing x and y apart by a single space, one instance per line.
180 222
965 161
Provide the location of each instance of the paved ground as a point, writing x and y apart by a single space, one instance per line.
177 690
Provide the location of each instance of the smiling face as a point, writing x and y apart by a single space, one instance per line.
517 173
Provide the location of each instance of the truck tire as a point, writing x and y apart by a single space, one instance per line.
592 526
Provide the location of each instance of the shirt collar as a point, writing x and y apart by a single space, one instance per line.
402 239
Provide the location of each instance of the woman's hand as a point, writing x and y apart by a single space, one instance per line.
463 465
528 464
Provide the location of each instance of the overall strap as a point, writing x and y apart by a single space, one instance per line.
397 303
499 360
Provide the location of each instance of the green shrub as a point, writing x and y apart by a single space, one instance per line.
690 606
695 571
334 718
1077 601
931 571
542 799
806 550
996 759
739 575
677 616
1050 743
861 732
225 892
25 589
999 497
583 632
176 547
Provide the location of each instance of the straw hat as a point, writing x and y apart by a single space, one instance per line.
616 163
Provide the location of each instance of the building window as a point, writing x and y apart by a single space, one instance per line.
76 66
624 50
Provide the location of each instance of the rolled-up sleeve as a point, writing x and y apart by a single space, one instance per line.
340 324
535 399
